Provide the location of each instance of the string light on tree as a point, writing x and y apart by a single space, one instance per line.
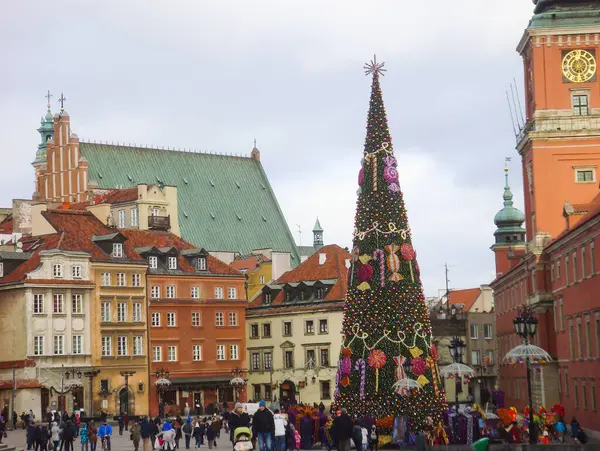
388 364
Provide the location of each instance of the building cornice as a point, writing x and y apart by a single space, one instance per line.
574 234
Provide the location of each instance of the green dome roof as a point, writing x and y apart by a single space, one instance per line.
509 216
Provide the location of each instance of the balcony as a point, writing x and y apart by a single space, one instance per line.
159 222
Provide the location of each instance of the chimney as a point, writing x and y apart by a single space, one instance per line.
568 210
347 263
322 258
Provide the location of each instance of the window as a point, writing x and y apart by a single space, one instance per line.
117 250
580 105
38 303
1 269
257 391
309 327
106 346
557 269
59 304
138 345
38 345
155 319
77 344
261 280
234 352
579 340
121 279
196 319
566 382
574 267
561 316
122 218
76 271
172 262
231 293
218 292
77 303
588 336
324 357
488 331
153 262
320 293
59 344
121 312
475 357
583 263
105 279
268 392
325 390
268 298
105 314
121 345
171 291
253 330
134 217
172 354
155 292
474 328
136 280
571 340
593 395
489 357
268 359
266 330
584 397
220 352
137 312
567 270
57 270
195 293
323 328
586 175
288 359
575 394
233 319
255 361
287 328
597 334
219 321
156 353
171 322
592 259
201 264
197 353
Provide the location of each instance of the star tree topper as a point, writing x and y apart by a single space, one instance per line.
374 67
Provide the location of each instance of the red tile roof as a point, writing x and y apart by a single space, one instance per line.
466 297
118 196
139 238
310 270
249 264
593 210
33 383
6 225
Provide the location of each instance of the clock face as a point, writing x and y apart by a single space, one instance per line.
579 66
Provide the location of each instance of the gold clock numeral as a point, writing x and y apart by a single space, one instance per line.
579 66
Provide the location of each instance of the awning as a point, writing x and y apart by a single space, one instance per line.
200 380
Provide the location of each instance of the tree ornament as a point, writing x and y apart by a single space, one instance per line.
378 254
393 262
434 352
361 176
364 273
400 374
418 366
371 160
422 380
377 360
408 253
360 365
415 352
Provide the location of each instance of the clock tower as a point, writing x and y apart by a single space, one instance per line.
560 141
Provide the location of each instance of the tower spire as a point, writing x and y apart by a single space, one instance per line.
48 97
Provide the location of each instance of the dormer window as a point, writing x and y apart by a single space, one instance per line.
201 265
320 293
172 262
267 298
57 271
1 269
117 250
153 262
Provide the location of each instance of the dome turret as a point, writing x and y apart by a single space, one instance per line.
509 220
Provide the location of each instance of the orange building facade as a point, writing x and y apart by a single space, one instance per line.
196 324
553 270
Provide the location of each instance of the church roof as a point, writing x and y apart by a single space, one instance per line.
225 203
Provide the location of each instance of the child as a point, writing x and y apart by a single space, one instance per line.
83 434
296 437
365 438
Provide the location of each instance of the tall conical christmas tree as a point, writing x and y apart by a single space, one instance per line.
388 363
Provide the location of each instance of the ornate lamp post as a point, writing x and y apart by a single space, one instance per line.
162 382
237 381
526 327
126 375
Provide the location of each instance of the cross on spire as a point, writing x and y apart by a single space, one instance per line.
374 67
255 143
48 96
62 99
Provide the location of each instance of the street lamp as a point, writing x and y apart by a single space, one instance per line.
162 382
526 327
126 375
237 381
91 375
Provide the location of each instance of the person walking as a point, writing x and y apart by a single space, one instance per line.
105 432
146 433
280 425
126 421
2 427
178 433
187 430
264 427
93 435
44 436
84 437
135 434
237 419
121 422
211 435
342 430
68 435
55 436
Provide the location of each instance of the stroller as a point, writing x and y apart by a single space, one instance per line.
242 437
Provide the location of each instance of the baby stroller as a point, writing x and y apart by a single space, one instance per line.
242 437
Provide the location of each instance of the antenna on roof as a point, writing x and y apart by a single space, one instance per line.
512 119
299 234
519 101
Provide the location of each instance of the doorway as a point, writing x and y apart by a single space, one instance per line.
226 395
126 401
78 398
287 393
199 403
45 398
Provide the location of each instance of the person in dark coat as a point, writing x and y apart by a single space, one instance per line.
307 430
68 435
263 425
121 422
342 430
30 435
238 419
42 443
2 427
187 431
177 432
146 431
211 435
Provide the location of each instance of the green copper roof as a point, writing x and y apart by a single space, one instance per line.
565 13
509 220
46 129
317 227
225 202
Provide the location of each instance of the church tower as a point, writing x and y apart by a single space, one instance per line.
317 235
559 143
510 234
46 132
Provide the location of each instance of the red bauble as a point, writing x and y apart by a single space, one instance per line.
364 273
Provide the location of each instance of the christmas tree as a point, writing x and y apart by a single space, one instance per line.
388 363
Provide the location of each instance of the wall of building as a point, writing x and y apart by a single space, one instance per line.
13 323
257 279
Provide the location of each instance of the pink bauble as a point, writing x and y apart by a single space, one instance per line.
364 273
390 174
418 366
361 176
377 358
407 252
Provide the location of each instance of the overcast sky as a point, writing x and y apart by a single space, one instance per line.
217 74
